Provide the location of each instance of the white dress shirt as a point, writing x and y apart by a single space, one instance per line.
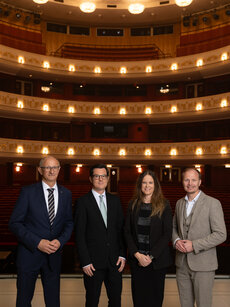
190 204
97 197
46 193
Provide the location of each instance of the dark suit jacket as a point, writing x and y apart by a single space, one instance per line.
97 244
160 236
30 223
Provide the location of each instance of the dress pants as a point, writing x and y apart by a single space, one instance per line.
194 286
147 285
113 284
50 279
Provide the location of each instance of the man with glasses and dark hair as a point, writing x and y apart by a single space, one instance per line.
42 222
99 239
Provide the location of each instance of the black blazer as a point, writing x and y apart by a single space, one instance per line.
30 223
160 236
97 244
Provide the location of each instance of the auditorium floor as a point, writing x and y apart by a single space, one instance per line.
72 292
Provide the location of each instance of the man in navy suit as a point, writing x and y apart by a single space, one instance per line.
41 234
99 239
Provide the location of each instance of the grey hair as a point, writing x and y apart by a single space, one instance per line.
41 163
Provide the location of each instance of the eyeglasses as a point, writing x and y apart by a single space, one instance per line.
49 168
100 177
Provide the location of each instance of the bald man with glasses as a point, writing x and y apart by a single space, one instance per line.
42 222
99 239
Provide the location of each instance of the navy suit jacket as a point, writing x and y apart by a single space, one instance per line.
97 244
30 223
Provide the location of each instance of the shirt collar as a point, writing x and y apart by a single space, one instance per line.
96 194
46 186
194 199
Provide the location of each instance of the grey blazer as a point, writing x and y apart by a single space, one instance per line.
207 230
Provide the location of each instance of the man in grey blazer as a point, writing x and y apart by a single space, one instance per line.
99 239
198 227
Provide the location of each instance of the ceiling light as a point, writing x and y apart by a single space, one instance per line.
45 89
40 1
168 166
136 8
87 7
183 2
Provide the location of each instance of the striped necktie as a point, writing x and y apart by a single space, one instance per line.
51 205
103 209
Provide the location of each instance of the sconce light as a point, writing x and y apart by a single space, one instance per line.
96 152
71 151
20 149
223 150
71 109
45 150
148 69
20 104
122 152
21 60
199 151
148 152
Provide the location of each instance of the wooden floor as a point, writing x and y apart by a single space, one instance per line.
72 292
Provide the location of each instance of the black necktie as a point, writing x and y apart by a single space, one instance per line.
51 205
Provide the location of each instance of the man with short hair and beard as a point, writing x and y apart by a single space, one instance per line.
198 227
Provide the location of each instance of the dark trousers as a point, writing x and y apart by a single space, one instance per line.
50 281
147 286
113 284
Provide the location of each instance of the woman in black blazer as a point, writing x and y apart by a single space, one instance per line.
148 230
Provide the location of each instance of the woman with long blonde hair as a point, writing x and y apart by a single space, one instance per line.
148 231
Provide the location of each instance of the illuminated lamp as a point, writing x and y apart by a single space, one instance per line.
183 2
87 7
136 8
40 1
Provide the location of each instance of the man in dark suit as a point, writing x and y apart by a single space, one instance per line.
42 222
99 239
